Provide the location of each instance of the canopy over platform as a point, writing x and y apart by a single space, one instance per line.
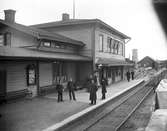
113 62
18 53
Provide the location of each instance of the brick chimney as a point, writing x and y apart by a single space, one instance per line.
10 15
65 16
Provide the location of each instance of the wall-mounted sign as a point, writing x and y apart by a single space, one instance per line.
31 75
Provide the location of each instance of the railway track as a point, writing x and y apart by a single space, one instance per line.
118 116
114 113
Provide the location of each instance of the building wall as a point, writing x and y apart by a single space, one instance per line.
16 76
45 74
77 32
71 70
85 69
104 54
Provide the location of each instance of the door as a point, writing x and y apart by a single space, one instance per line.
2 85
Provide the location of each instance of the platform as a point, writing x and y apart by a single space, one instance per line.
44 113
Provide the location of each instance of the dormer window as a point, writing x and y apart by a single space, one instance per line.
57 46
2 40
47 44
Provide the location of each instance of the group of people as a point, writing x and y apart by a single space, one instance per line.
93 87
70 87
130 75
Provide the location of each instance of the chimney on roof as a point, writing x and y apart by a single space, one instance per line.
10 15
65 16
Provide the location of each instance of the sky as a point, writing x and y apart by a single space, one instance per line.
135 18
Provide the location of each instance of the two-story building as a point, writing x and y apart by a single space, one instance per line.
104 44
35 60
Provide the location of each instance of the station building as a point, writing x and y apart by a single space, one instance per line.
34 58
104 44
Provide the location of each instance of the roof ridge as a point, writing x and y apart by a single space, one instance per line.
36 32
78 21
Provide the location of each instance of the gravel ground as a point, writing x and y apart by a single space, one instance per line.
139 120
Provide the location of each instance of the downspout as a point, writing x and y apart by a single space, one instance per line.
125 67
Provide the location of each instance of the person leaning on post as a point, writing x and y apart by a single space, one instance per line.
59 88
71 88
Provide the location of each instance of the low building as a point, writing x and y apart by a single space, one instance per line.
34 60
148 62
104 44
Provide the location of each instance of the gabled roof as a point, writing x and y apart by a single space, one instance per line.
147 58
42 34
16 52
77 22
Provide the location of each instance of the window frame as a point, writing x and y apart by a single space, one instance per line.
3 39
101 45
47 42
109 44
121 48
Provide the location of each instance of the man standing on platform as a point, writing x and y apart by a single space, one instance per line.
93 89
128 75
71 87
103 88
132 74
59 89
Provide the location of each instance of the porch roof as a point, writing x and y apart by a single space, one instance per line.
113 62
15 52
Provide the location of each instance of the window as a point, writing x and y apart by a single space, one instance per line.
57 46
101 43
120 48
109 44
112 46
31 75
59 72
47 44
2 40
115 47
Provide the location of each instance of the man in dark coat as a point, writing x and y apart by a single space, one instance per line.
132 74
71 87
93 89
103 89
128 76
59 89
